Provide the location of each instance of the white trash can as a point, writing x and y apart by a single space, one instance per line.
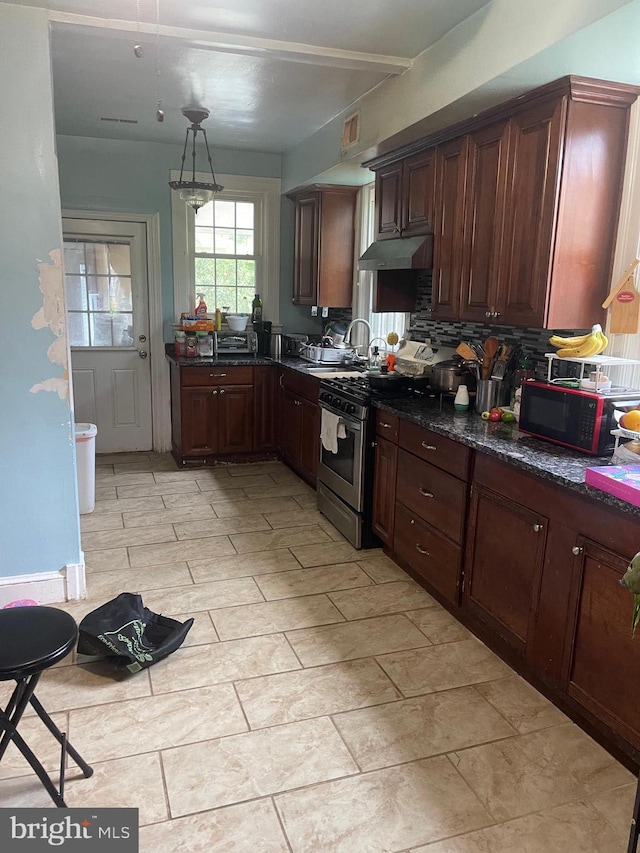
86 466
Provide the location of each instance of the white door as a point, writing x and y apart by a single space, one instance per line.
108 323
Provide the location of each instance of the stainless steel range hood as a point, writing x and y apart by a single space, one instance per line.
402 253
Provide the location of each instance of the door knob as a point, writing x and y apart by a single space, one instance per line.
142 353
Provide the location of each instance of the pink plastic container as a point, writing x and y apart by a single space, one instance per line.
622 481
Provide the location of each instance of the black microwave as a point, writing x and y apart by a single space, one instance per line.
572 417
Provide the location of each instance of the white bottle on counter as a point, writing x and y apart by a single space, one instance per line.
461 401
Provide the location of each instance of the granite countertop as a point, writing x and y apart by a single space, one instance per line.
298 364
505 442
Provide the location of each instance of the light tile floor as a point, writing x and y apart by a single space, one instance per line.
322 702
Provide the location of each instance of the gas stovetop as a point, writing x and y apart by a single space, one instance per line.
352 394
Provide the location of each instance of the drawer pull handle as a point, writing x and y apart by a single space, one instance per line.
425 493
428 446
421 549
386 426
537 528
217 374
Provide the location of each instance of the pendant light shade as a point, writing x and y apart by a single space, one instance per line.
195 193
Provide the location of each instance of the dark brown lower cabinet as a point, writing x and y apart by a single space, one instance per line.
199 436
603 660
301 436
384 489
235 419
433 557
265 405
505 556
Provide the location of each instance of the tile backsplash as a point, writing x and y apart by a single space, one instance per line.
534 341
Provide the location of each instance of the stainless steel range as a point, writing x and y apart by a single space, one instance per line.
345 478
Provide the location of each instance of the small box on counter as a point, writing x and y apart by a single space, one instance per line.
622 481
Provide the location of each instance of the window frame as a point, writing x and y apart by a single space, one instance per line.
265 194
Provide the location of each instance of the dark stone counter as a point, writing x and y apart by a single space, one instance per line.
505 442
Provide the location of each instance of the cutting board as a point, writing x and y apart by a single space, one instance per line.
624 304
625 311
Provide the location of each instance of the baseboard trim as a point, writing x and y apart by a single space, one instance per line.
68 584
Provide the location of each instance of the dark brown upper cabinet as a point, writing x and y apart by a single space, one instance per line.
324 245
527 239
405 194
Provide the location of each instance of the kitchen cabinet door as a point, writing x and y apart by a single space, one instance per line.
484 218
290 432
384 489
533 186
418 193
235 419
604 659
323 245
309 441
265 405
199 421
388 201
305 275
505 557
449 229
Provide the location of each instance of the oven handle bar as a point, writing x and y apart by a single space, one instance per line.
352 423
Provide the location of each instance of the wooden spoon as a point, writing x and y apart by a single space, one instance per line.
490 349
466 352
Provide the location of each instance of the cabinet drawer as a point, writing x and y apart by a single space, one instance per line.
434 495
218 374
387 425
433 557
306 387
436 449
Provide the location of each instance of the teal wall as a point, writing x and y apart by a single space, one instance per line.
39 526
132 177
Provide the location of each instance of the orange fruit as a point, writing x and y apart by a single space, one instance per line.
631 420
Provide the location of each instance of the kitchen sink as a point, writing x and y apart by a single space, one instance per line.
329 369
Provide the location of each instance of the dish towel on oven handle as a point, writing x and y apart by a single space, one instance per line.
331 429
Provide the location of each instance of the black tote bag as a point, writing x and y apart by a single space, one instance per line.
130 635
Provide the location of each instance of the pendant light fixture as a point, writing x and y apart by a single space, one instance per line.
195 193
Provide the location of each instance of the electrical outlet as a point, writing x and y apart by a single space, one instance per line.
325 312
314 310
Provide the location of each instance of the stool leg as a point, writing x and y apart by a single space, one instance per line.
60 737
634 832
12 734
16 707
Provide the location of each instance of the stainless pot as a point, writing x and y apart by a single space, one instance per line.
446 376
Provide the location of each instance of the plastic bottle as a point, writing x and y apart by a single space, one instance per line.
461 401
256 309
201 308
218 320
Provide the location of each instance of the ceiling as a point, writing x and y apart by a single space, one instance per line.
272 72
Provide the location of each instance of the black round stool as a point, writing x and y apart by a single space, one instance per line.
33 639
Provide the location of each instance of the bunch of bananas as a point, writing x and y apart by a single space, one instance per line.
582 346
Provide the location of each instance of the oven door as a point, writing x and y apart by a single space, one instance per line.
343 471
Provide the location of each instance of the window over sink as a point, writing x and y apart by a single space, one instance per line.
229 250
381 323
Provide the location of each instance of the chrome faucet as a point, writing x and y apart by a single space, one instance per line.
347 334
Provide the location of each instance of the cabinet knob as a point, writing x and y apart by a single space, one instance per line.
487 314
215 391
222 390
496 313
421 550
537 527
413 521
425 493
374 444
386 426
428 446
576 550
